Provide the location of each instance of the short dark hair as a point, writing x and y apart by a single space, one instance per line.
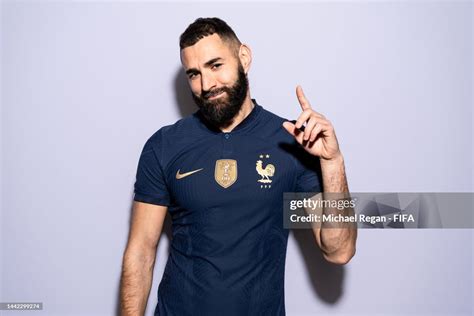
203 27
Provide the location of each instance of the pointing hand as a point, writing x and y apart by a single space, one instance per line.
318 137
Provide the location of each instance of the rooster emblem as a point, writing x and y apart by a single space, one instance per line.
266 172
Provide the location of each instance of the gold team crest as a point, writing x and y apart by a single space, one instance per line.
226 172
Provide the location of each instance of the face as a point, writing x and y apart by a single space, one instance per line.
217 79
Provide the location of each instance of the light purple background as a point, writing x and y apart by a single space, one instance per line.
85 84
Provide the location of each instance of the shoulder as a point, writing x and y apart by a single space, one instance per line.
171 140
183 130
272 118
271 124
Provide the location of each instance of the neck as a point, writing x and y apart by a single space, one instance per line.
247 107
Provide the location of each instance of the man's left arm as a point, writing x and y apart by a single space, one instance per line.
319 139
337 243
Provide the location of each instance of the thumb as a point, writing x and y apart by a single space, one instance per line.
290 128
295 132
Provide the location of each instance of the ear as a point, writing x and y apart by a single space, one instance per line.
245 56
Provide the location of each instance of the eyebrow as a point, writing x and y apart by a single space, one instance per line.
207 64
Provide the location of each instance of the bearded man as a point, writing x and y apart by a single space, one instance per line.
220 174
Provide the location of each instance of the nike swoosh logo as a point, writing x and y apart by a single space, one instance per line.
184 175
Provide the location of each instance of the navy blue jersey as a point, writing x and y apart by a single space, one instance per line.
224 192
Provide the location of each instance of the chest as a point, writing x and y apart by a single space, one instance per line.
225 173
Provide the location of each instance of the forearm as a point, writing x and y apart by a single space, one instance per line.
338 243
135 285
334 175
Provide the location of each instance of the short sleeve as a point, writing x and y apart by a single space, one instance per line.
150 184
309 178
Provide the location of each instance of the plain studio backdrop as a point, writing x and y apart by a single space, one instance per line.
84 84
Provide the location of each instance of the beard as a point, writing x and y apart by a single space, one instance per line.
220 112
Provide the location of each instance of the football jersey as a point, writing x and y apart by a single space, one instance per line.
224 193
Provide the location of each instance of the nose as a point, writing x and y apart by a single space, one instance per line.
207 82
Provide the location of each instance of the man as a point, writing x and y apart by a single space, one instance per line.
221 174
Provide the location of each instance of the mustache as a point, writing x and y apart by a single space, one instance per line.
214 92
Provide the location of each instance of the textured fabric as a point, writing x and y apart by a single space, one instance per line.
228 247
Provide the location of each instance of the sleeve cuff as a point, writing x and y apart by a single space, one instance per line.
151 199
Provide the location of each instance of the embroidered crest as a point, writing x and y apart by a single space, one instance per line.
226 172
265 172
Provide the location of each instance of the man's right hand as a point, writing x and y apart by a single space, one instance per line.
139 257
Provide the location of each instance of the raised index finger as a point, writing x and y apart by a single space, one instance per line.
302 98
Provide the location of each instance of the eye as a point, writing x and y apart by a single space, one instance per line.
192 76
215 66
